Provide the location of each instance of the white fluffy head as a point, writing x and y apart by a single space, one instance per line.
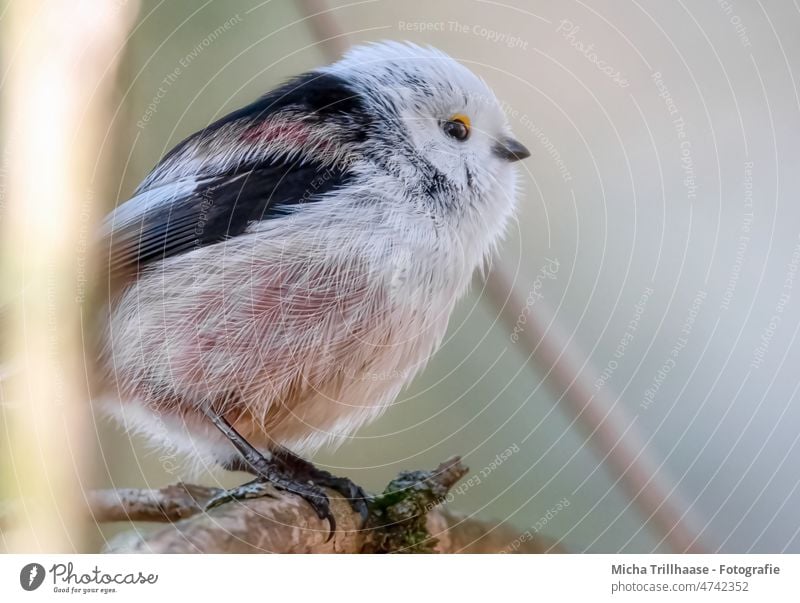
413 92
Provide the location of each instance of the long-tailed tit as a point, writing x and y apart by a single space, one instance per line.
282 273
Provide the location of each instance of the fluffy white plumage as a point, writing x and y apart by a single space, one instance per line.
302 328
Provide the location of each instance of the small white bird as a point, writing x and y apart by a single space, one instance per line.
283 273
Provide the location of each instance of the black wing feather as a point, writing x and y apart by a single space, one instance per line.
217 209
207 208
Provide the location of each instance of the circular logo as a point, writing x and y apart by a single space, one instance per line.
31 576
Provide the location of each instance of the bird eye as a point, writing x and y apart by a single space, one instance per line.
457 127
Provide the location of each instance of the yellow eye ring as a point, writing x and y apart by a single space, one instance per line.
458 126
463 119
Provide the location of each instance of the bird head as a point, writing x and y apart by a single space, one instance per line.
431 122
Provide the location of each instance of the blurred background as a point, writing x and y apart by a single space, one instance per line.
644 371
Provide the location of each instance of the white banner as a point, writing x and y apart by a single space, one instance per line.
329 578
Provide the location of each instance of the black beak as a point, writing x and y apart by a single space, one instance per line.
511 150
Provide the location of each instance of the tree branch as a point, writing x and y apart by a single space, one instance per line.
405 518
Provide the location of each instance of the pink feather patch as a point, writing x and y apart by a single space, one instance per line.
292 134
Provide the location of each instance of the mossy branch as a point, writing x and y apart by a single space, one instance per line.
404 518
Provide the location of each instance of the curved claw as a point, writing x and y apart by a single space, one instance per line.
322 508
355 494
259 488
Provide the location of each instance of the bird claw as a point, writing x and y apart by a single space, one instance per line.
355 495
261 487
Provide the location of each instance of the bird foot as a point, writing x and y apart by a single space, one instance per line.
352 492
287 471
268 480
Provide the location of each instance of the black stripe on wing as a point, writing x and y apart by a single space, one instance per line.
193 197
216 210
